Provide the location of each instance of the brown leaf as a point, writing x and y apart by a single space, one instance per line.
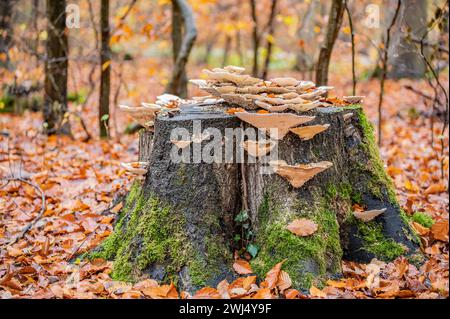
440 230
207 293
248 281
284 281
242 267
435 189
292 294
273 275
422 231
369 215
316 292
302 227
263 293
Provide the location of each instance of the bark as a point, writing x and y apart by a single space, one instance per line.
226 51
56 66
335 18
184 33
255 38
405 57
192 243
105 64
271 32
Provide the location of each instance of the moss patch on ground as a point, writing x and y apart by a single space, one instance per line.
311 259
148 233
423 219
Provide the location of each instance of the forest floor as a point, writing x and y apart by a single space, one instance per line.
81 180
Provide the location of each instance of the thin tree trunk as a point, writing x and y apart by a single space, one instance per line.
6 8
334 24
182 41
384 70
56 66
352 34
271 31
255 38
226 51
105 62
411 24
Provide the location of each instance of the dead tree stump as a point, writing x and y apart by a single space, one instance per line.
180 223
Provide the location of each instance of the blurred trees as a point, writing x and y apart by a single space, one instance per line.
6 8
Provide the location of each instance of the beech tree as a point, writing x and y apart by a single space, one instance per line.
335 18
56 68
105 62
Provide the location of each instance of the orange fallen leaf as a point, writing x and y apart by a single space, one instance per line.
14 252
435 189
292 293
316 292
207 293
284 281
302 227
248 281
273 275
263 293
440 230
242 267
422 231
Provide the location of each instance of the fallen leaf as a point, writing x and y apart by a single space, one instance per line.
422 231
273 275
316 292
369 215
263 293
207 293
302 227
242 267
284 281
435 189
440 230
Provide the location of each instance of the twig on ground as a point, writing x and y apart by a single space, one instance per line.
41 212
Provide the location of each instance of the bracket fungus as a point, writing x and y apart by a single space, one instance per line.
299 174
277 125
144 115
258 149
308 132
353 99
137 168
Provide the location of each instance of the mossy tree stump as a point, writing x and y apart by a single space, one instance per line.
179 224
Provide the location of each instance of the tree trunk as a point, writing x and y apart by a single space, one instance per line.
6 31
412 25
56 66
335 18
179 224
184 34
255 38
271 31
105 62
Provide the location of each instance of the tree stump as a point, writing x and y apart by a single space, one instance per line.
180 223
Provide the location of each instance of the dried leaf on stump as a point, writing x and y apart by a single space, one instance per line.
302 227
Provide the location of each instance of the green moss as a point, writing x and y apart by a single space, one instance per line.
148 233
343 191
379 178
309 258
376 243
423 219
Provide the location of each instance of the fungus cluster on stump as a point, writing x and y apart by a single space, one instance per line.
180 223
